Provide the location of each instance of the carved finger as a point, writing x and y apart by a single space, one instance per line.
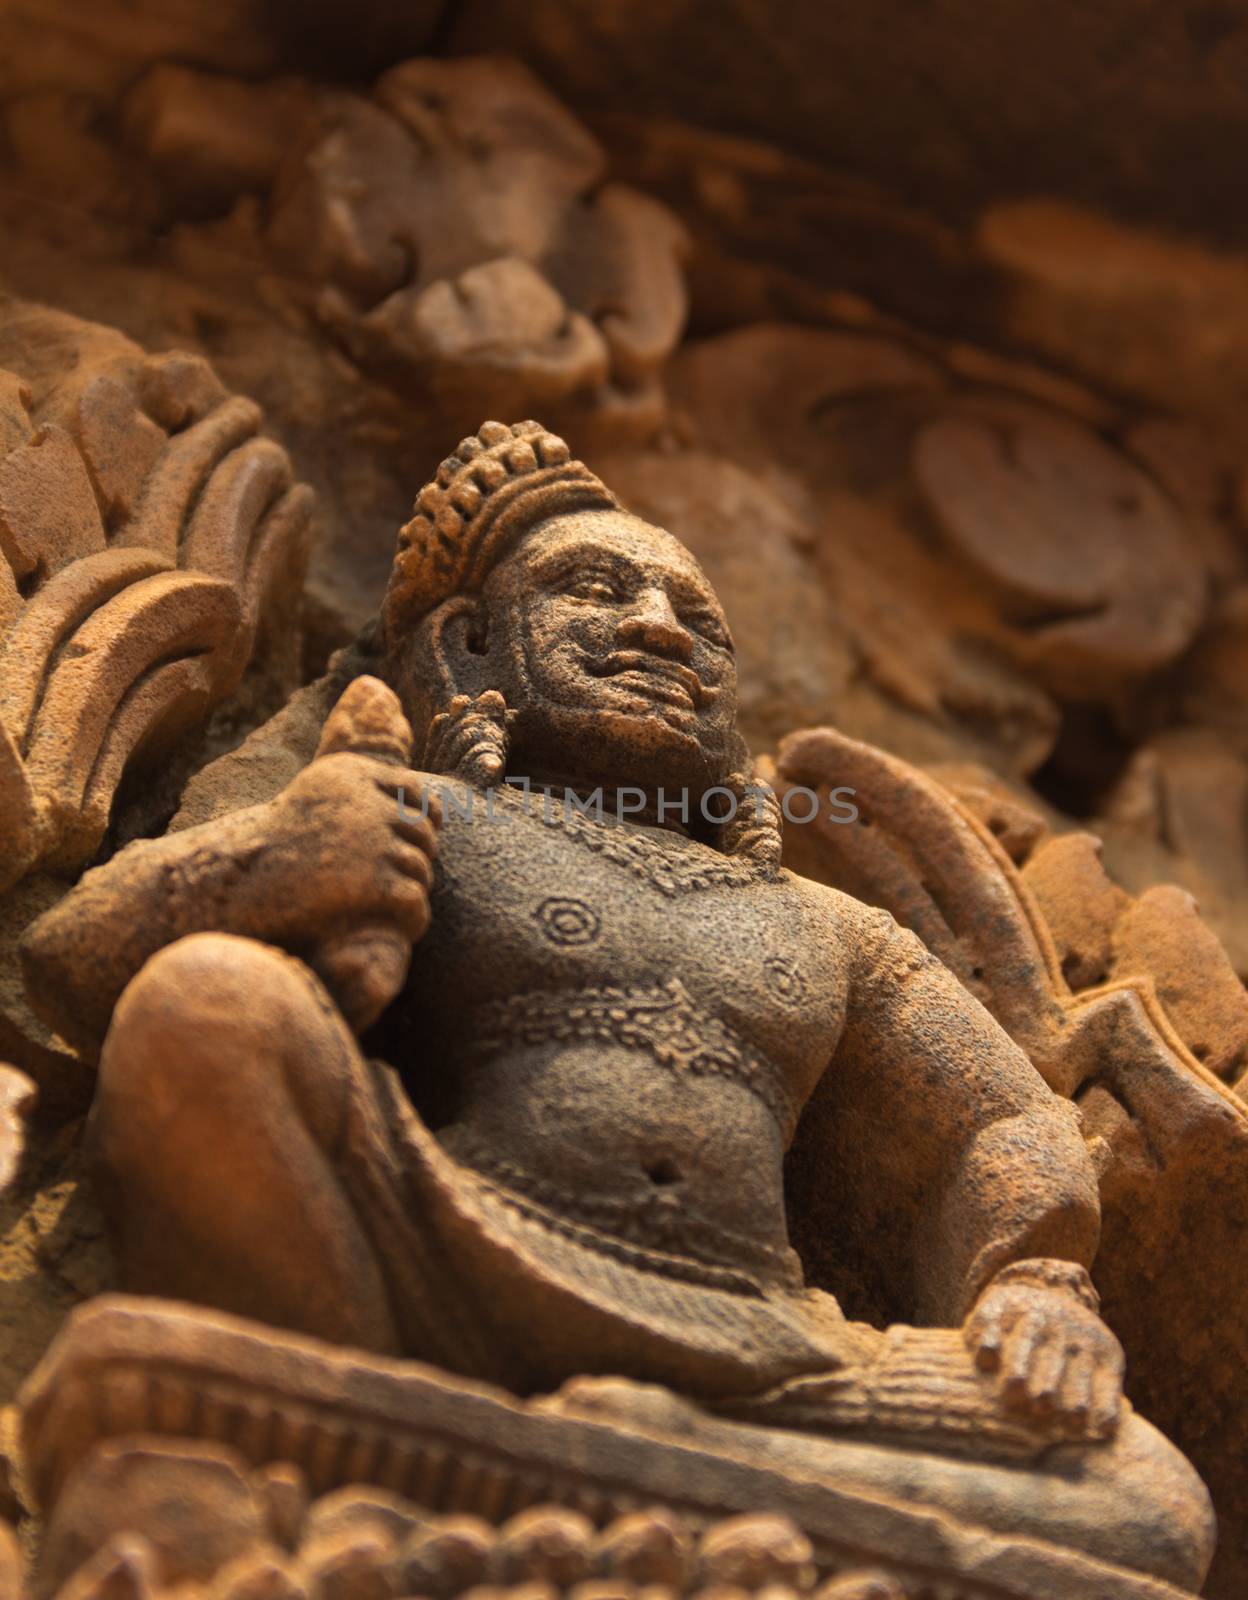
1076 1390
408 904
365 970
485 761
1044 1376
472 750
1106 1398
402 895
391 779
369 720
446 737
988 1331
412 828
419 798
439 728
987 1336
1019 1348
461 739
413 863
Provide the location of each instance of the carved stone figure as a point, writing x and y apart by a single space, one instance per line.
408 1048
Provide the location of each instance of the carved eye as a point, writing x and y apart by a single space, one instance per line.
593 586
708 626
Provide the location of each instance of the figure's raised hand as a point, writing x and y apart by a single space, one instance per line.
336 846
348 859
1036 1329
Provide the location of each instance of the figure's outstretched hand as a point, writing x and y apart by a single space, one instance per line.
1056 1363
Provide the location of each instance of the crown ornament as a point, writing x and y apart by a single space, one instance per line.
501 482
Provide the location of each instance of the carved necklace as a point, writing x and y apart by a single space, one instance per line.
673 865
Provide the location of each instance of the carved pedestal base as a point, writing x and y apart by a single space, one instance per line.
167 1445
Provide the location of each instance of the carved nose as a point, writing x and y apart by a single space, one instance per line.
654 624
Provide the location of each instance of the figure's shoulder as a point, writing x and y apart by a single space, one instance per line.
867 938
265 762
274 753
823 901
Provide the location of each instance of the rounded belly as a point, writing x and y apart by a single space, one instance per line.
666 1157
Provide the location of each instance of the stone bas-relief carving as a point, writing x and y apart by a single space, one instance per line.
495 264
1103 627
146 532
455 233
152 546
511 1095
843 483
916 501
269 1531
378 270
995 545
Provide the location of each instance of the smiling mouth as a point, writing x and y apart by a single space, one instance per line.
654 677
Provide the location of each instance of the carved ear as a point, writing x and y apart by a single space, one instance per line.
458 645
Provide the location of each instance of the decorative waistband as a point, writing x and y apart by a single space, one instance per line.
661 1019
638 1234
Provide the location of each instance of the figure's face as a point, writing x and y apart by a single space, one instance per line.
615 652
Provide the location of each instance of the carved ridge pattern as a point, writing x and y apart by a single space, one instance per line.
565 921
661 1019
974 910
892 1395
144 527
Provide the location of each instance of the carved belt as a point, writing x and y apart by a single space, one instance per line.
661 1019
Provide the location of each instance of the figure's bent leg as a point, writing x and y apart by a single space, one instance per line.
223 1097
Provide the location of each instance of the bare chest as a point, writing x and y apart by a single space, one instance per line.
545 919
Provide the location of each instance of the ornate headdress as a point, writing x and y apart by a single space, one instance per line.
500 482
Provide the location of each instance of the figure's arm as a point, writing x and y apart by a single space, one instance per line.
993 1159
1003 1209
332 854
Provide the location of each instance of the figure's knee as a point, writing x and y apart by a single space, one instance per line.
172 1011
208 1023
218 975
1161 1508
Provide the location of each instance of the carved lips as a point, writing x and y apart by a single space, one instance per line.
656 678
